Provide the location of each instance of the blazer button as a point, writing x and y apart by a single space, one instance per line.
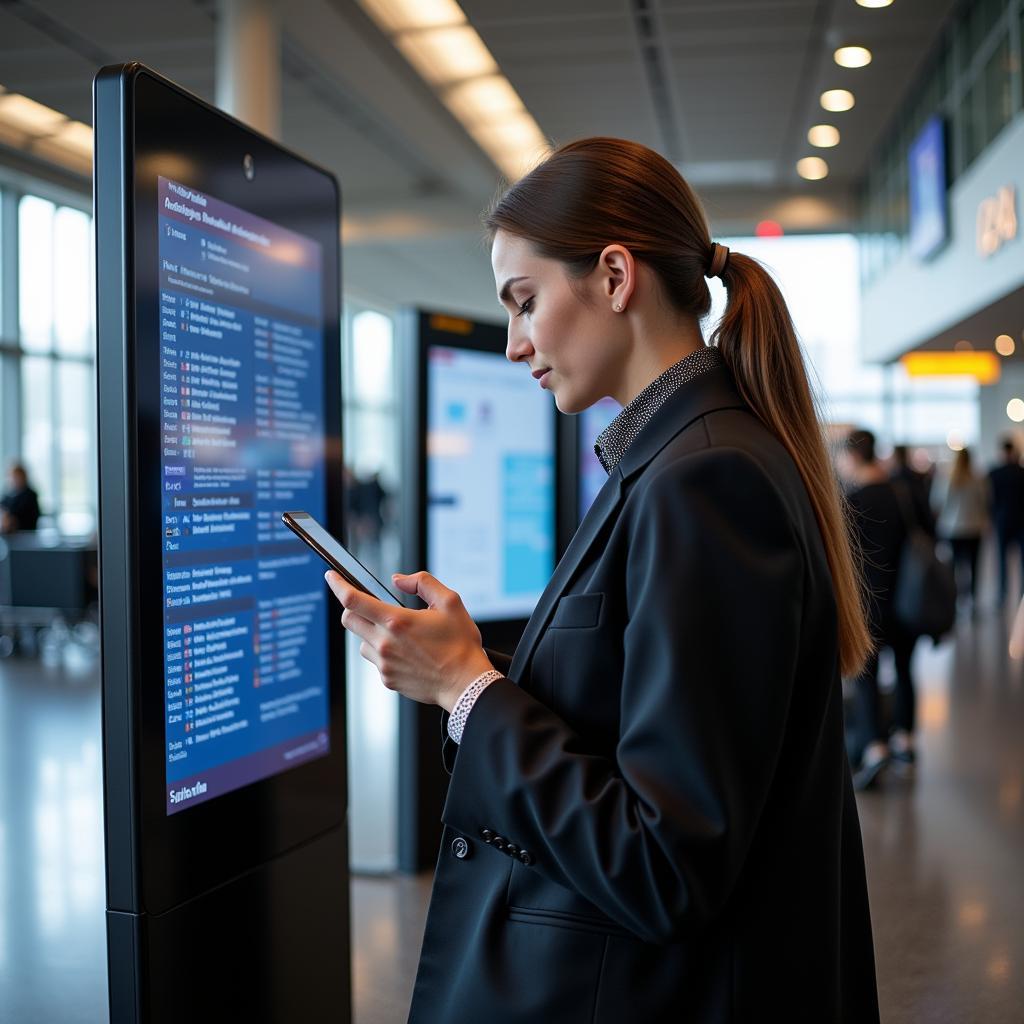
460 847
499 843
512 850
488 835
525 858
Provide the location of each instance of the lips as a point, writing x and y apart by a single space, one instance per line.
537 374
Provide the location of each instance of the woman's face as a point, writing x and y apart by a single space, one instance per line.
566 328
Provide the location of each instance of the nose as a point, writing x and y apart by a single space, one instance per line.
519 347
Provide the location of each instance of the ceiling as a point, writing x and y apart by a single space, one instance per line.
725 88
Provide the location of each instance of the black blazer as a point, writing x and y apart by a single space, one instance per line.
651 818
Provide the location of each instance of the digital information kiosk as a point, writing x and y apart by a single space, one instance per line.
481 514
223 662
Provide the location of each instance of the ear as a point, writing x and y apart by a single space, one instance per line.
617 270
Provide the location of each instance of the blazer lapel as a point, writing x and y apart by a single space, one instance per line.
712 390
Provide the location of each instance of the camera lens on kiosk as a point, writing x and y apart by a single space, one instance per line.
248 167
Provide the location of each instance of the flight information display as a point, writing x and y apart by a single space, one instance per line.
490 481
242 440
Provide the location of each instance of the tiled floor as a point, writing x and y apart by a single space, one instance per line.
945 854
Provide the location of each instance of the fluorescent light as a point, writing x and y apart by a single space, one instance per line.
75 136
443 55
852 56
813 168
514 143
1005 345
26 115
824 136
875 3
837 100
483 99
436 39
399 15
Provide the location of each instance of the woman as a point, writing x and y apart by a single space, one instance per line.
650 815
961 503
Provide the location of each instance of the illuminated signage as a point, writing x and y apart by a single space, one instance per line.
997 221
984 367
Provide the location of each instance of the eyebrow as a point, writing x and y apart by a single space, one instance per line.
505 295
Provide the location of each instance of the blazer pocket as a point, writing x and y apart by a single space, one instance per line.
563 919
577 611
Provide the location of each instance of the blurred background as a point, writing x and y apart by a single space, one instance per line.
870 152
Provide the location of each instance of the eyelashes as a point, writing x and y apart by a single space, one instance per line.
526 307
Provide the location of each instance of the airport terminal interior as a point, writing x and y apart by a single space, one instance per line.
870 153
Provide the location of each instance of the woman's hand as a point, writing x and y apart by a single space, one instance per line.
430 655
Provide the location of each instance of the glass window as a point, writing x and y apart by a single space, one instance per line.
72 267
373 357
75 446
35 273
37 436
998 98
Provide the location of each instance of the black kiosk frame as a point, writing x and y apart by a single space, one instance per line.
235 908
423 781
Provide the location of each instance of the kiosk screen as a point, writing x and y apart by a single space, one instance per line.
242 439
490 481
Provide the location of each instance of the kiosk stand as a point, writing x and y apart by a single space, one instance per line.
481 508
223 663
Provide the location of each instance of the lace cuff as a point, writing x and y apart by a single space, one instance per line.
463 706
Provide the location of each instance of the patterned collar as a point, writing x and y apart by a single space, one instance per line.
614 441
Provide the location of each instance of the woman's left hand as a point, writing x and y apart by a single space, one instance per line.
430 655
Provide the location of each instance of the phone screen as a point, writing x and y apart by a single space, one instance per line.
337 556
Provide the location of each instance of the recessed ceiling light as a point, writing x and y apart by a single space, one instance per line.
963 345
1015 410
813 168
875 3
824 136
1005 345
837 100
853 56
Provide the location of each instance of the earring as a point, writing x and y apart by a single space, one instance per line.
617 307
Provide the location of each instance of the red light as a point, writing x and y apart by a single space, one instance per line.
769 229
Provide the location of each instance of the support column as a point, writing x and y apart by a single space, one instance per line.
248 73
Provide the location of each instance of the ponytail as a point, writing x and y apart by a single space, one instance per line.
596 191
759 345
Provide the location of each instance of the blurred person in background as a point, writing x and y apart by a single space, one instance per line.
1006 492
879 517
917 485
961 501
19 507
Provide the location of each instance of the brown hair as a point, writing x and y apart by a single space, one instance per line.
593 192
962 471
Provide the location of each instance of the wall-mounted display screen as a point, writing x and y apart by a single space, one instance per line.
926 166
592 474
490 481
242 440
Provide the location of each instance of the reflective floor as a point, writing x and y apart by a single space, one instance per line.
945 853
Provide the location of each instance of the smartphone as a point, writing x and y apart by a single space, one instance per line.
337 556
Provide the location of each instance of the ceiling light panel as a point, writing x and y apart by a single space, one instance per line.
837 100
28 116
852 56
824 136
443 55
482 99
813 168
400 15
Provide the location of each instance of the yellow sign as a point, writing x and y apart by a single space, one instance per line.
997 220
984 367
